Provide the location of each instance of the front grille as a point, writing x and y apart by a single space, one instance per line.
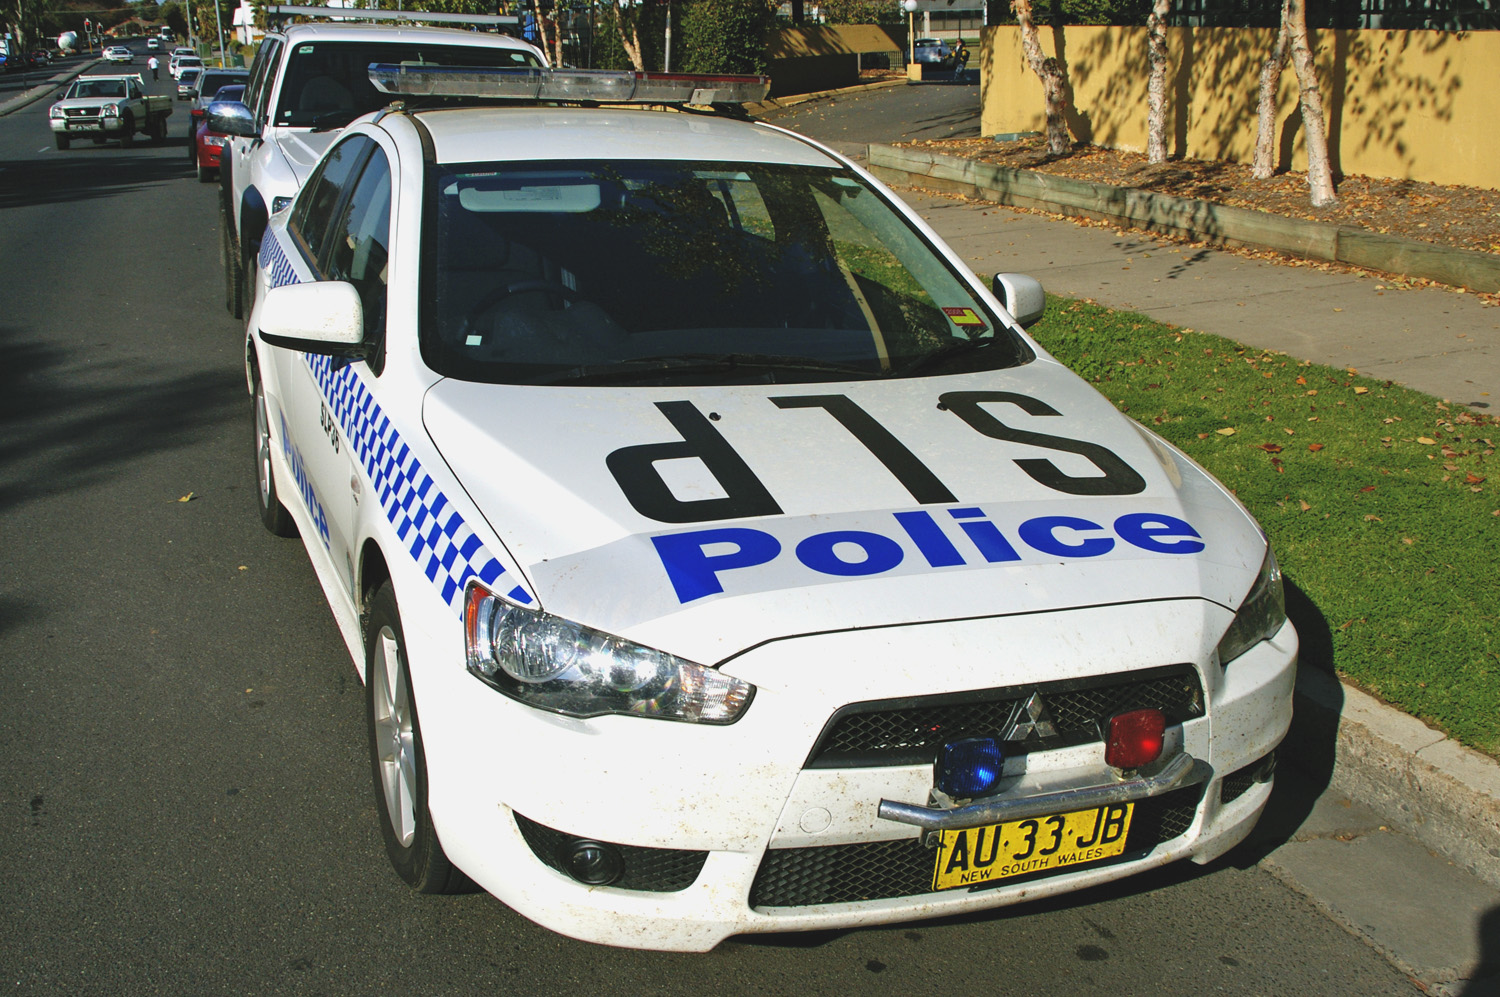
654 870
909 732
81 112
879 870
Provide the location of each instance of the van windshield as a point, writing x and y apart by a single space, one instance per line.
328 83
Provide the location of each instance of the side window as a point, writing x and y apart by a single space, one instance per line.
314 213
262 76
358 244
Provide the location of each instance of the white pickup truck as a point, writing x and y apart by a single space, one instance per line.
106 107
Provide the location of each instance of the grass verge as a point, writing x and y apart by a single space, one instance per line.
1376 498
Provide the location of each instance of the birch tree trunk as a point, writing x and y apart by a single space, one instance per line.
1049 71
1156 84
1314 128
630 38
1270 80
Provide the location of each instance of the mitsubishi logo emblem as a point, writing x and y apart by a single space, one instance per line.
1030 720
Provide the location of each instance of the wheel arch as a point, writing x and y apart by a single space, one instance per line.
373 572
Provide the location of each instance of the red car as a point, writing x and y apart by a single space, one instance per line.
207 143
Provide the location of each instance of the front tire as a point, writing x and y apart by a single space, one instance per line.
398 765
273 514
127 137
62 141
204 174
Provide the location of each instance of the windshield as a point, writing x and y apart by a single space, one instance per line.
98 88
331 80
675 272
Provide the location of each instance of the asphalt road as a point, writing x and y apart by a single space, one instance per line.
185 783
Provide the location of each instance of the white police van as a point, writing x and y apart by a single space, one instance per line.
306 82
719 555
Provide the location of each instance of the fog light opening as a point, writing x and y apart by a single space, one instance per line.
1135 738
593 863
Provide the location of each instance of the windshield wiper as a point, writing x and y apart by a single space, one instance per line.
954 350
333 119
673 365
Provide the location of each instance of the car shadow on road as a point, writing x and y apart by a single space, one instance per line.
1310 748
1485 979
84 173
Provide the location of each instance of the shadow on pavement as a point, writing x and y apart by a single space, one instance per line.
68 421
1310 745
1486 979
84 173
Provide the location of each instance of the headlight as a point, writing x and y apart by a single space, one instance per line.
553 664
217 141
1260 616
111 110
56 112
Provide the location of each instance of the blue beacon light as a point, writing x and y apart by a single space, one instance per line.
968 768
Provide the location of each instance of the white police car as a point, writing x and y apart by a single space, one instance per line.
719 555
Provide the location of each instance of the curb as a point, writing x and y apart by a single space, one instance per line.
1428 786
41 90
1197 220
792 100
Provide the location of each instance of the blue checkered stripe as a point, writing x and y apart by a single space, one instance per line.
443 546
434 533
275 262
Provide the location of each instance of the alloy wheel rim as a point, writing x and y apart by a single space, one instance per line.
395 741
262 448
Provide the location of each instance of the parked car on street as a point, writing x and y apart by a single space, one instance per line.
307 82
187 82
182 63
933 52
207 145
718 552
209 84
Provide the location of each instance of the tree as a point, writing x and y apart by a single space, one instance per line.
886 12
1293 37
626 16
1156 84
1050 72
726 36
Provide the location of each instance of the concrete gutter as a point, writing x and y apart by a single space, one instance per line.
1425 784
792 100
1187 217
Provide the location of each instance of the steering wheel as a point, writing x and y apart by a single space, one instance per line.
500 293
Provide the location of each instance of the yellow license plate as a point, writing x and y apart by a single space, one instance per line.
977 855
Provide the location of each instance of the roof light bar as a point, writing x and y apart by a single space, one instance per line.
605 86
283 11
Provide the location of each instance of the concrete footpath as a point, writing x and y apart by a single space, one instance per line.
1369 802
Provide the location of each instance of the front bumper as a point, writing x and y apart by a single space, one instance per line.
88 126
780 846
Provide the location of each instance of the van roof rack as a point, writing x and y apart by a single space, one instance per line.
578 86
279 13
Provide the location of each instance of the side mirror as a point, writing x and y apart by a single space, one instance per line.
323 317
230 117
1022 296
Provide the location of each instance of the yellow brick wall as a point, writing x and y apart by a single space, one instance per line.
1419 105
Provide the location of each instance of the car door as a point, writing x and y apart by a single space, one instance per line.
341 225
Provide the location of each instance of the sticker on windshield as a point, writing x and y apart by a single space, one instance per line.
966 319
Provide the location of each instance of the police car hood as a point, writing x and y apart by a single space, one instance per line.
302 149
707 519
